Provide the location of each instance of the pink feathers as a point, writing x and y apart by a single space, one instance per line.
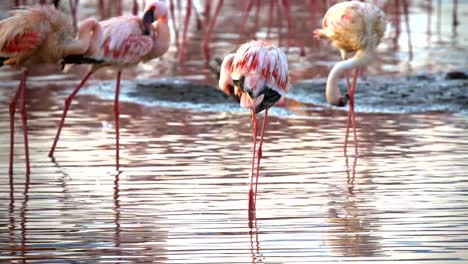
263 65
22 42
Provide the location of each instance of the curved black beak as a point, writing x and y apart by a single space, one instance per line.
148 19
343 101
56 3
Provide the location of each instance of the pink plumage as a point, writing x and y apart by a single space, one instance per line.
32 36
121 42
258 74
258 71
263 65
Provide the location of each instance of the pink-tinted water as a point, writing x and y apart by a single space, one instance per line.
181 194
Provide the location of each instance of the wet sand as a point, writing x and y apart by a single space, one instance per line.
181 194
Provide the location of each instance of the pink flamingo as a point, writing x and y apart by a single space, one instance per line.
123 42
351 27
258 73
32 36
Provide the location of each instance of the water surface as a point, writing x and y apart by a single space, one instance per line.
181 194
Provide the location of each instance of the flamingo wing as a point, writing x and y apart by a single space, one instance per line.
123 40
261 65
129 51
22 33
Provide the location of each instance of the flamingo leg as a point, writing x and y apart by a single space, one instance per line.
119 7
348 88
247 9
259 152
12 123
257 12
188 12
66 106
24 120
73 10
353 115
251 194
116 116
174 25
211 25
270 16
101 7
135 8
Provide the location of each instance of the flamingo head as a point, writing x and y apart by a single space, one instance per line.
154 10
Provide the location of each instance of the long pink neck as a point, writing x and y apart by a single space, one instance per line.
162 38
333 93
88 32
225 80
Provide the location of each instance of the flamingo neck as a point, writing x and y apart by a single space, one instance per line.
333 93
161 38
225 81
89 32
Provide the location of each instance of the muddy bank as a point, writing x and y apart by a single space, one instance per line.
395 95
386 95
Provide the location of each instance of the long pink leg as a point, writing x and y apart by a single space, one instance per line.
291 31
119 7
66 106
207 11
251 194
259 153
353 115
207 36
116 116
135 7
348 89
188 12
73 4
24 121
270 16
101 7
12 123
174 24
257 13
247 9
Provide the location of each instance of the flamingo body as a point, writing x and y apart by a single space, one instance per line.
353 26
258 71
34 35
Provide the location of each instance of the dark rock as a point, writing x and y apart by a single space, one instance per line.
456 75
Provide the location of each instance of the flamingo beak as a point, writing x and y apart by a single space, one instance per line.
343 101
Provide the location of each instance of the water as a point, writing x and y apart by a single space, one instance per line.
181 194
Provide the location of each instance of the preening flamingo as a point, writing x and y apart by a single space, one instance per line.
124 41
258 73
351 27
32 36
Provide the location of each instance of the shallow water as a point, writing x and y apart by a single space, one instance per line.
181 194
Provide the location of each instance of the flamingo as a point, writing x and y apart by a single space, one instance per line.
123 42
351 27
258 74
32 36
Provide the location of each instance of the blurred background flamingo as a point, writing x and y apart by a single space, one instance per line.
123 42
258 74
33 36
